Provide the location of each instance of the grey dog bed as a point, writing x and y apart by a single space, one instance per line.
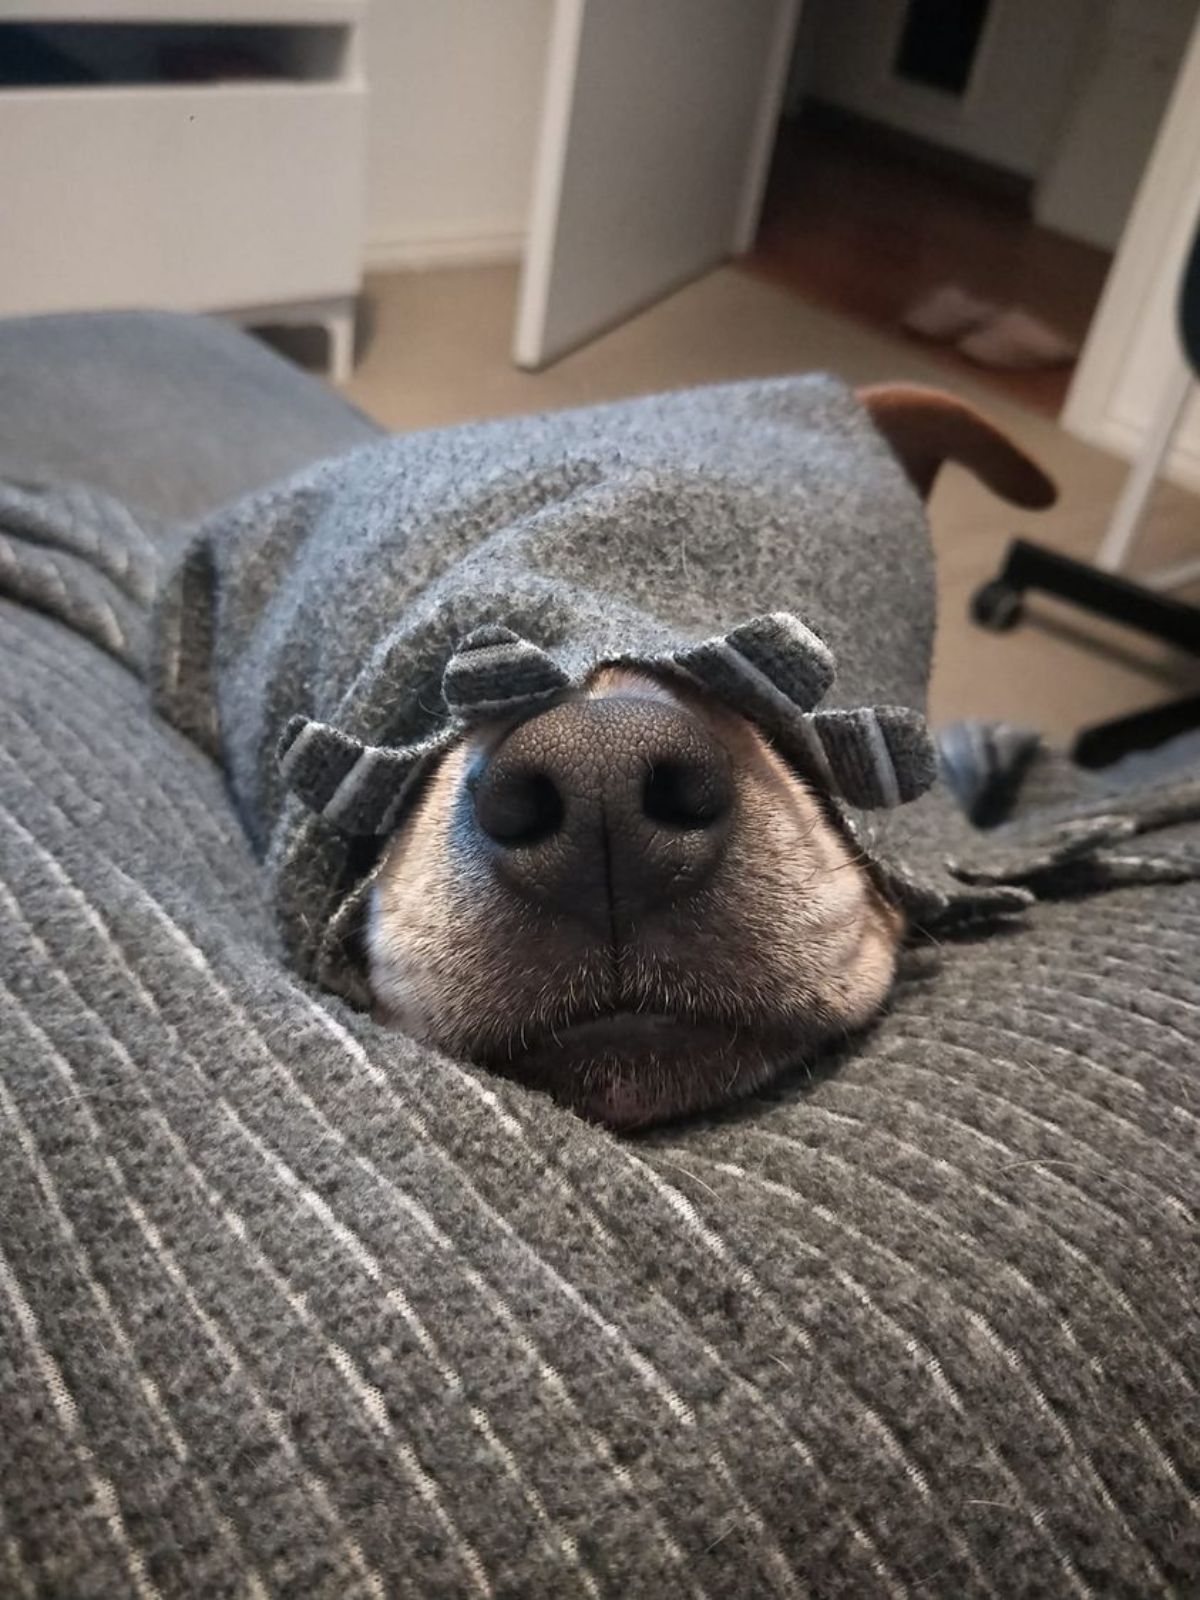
290 1305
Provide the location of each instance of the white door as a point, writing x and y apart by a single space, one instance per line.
657 128
1098 159
1133 356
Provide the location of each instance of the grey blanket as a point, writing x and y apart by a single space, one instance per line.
291 1306
324 639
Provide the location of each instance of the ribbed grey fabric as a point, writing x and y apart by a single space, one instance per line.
85 558
289 1306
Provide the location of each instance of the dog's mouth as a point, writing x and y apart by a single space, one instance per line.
629 1068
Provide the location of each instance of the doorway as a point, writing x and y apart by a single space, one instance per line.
965 183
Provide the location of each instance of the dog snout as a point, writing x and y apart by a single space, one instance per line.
606 809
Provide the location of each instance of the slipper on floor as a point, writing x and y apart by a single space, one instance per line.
1018 342
948 313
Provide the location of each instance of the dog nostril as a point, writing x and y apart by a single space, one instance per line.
521 807
685 795
605 808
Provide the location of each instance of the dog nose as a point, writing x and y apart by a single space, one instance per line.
607 807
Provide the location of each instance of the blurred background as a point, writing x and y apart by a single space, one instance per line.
477 207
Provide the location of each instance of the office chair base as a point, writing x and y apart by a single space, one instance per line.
1107 742
999 605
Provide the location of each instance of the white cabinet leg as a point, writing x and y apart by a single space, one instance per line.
1130 510
339 328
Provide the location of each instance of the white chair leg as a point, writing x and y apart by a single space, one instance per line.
1125 523
1180 575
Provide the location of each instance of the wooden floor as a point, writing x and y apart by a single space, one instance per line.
860 226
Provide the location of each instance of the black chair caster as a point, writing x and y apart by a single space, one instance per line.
997 606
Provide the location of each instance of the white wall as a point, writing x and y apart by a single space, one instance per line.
804 53
1098 160
456 88
1012 110
1133 346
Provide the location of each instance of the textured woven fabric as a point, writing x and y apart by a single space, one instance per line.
653 531
325 637
83 557
289 1306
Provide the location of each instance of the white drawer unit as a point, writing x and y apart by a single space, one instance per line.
203 157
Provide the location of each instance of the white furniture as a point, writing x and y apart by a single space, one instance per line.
1129 513
658 119
241 192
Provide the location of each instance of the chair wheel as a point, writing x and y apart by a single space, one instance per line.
997 606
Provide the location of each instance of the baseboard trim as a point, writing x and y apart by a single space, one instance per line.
405 252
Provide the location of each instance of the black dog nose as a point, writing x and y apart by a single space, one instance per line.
607 807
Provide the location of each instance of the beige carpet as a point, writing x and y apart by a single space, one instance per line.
435 350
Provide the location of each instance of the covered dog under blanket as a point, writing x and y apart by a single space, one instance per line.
591 746
294 1305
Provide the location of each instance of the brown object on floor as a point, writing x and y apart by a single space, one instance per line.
1017 342
858 222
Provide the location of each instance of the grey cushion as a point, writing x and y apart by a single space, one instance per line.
291 1306
173 415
